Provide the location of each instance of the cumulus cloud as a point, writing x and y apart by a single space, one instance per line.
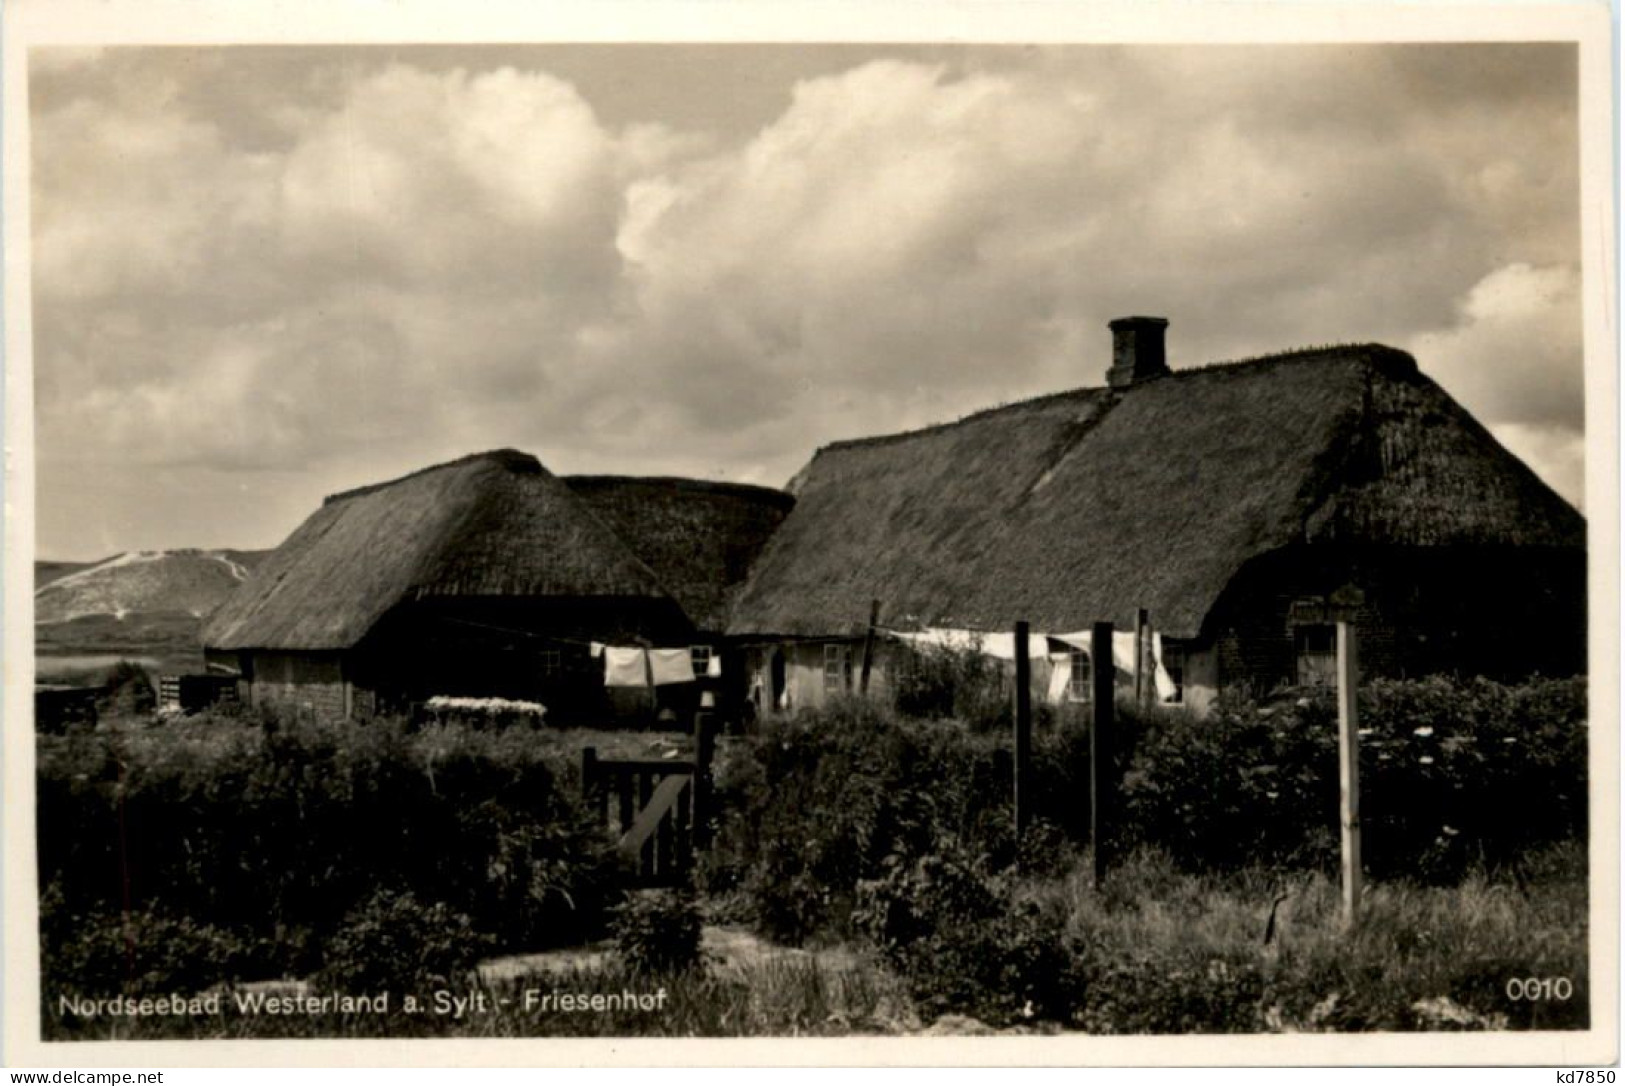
371 264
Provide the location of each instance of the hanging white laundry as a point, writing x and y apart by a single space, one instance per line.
671 666
1166 690
713 667
1060 677
1123 650
597 649
625 667
1000 646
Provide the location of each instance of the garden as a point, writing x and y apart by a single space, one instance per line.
863 854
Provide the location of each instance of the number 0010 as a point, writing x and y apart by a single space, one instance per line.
1540 989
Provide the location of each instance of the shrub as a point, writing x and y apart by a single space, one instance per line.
658 931
938 682
1453 773
392 942
128 690
966 945
1159 992
818 803
140 953
279 833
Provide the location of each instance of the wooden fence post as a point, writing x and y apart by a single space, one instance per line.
1103 695
869 647
1142 658
1348 766
1024 736
705 739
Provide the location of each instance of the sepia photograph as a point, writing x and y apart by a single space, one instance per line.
900 540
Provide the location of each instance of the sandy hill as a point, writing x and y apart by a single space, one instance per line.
185 581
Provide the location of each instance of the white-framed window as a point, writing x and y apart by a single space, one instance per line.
1077 686
1316 648
700 657
835 668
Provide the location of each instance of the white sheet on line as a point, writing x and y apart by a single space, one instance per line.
1002 646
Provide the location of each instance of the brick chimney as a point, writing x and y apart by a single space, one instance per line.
1138 352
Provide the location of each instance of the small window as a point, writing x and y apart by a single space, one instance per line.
552 662
1317 655
700 657
1077 687
835 668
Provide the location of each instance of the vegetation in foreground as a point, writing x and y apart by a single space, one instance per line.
1158 951
212 854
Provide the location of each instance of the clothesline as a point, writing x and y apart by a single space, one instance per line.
636 668
630 666
1002 646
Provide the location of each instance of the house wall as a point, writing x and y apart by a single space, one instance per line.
804 677
300 681
532 650
1501 613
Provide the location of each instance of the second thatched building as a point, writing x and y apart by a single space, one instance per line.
488 577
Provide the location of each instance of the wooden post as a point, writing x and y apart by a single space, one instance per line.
1024 735
1103 695
597 802
868 647
704 750
1142 658
1348 766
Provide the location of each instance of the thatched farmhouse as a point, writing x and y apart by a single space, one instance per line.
486 577
1232 502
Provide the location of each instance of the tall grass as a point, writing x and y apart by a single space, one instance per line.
1171 952
1157 950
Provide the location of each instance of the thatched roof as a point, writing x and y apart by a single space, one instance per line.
700 538
1085 505
494 524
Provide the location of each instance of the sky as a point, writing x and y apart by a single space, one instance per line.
262 275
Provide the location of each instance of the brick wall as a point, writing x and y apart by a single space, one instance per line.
312 682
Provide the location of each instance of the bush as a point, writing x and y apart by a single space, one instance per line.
394 943
966 945
818 803
279 833
938 682
1448 769
658 931
1162 992
141 953
128 690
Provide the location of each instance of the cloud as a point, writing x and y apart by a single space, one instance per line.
1515 358
365 265
1514 354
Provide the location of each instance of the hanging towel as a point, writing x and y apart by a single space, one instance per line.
671 666
713 667
625 667
1165 682
1060 677
1123 650
597 648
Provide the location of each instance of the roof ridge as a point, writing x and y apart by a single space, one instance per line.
680 482
1361 350
520 463
980 413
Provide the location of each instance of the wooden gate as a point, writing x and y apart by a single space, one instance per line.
657 809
